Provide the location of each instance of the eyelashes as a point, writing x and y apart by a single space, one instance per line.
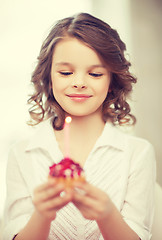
66 73
95 75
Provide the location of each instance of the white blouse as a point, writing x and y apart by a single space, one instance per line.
120 164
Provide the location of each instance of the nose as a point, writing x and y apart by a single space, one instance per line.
79 82
79 86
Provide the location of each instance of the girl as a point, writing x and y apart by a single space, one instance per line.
81 72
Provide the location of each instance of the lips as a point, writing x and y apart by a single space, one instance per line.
79 97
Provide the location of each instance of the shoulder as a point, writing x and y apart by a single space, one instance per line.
139 154
137 143
124 140
20 145
134 148
140 148
17 154
140 151
35 139
132 141
40 144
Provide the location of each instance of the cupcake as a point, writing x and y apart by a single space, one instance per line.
67 171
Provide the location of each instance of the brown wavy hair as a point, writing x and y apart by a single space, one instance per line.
110 48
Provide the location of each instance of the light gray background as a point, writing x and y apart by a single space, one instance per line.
24 24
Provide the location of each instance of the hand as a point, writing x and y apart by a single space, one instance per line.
47 199
93 203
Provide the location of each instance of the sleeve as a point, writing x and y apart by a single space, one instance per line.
18 207
138 208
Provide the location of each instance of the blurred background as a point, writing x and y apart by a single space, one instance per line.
25 24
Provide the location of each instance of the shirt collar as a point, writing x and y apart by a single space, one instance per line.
44 138
112 136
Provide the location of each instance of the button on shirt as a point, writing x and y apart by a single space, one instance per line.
121 165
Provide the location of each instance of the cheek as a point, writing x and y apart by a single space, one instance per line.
57 84
104 88
56 88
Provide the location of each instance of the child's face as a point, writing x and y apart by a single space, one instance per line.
80 80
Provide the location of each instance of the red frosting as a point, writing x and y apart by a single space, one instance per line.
66 168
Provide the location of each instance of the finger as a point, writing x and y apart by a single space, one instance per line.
88 211
49 183
50 193
57 202
89 207
65 199
84 188
89 190
83 199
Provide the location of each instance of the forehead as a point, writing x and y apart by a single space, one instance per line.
75 52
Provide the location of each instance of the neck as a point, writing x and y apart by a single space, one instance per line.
83 133
91 124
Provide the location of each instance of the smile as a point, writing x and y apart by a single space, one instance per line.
79 97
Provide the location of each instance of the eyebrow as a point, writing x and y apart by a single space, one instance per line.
69 64
62 63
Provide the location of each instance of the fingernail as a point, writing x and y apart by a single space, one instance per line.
62 194
80 191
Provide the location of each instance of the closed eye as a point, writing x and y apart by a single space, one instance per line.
96 74
66 73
